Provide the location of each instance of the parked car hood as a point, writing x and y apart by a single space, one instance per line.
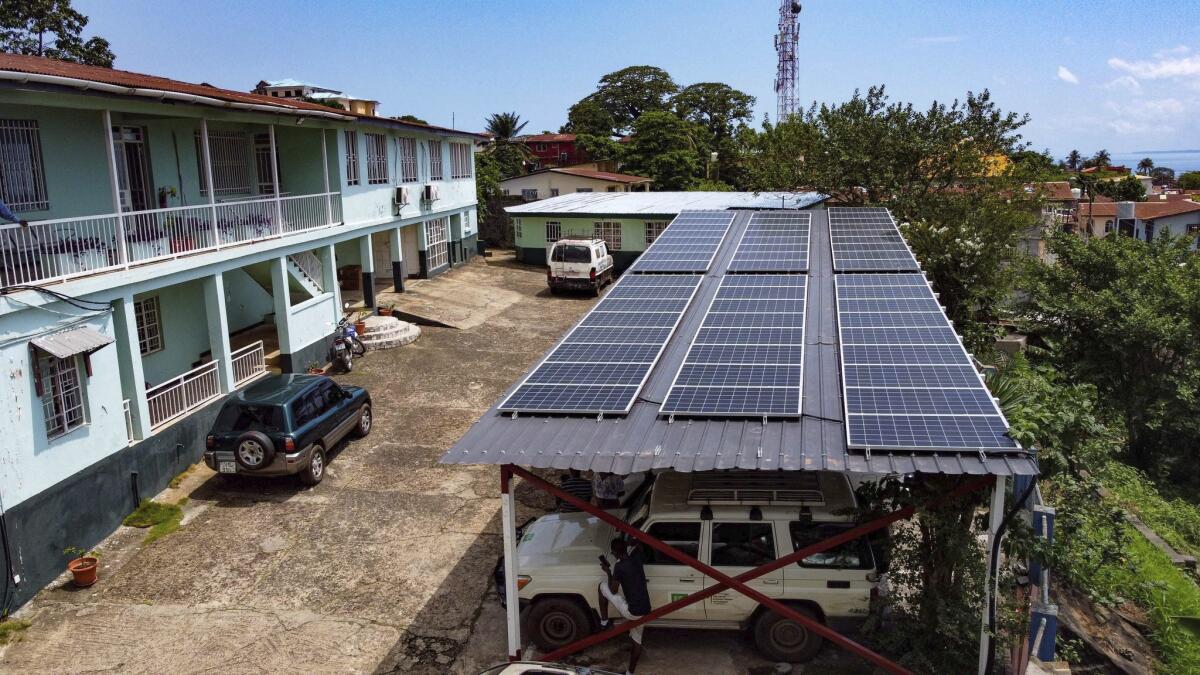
563 539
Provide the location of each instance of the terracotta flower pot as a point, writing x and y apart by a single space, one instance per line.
385 311
360 327
84 569
316 371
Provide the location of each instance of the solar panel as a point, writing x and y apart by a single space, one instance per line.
601 365
773 242
688 244
747 357
908 383
867 239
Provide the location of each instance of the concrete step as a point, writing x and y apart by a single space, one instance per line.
385 332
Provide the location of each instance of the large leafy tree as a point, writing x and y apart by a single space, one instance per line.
590 118
628 93
1101 159
510 154
50 28
721 111
1124 316
1127 189
664 148
1190 180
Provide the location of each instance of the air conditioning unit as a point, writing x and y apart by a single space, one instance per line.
400 198
430 193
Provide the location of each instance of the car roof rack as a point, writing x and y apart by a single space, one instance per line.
755 487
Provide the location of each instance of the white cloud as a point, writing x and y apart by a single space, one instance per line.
1124 83
938 39
1066 75
1185 67
1145 115
1172 51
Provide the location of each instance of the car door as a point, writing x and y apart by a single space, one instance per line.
735 548
836 579
342 412
306 419
667 579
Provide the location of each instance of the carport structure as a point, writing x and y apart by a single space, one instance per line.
816 436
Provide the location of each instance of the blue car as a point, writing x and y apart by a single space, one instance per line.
284 425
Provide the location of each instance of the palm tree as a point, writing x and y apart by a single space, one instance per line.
1102 158
1087 190
1074 160
1145 166
510 153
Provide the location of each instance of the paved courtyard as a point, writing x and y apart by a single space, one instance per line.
384 567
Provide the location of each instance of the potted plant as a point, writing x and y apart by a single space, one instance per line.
386 311
145 241
165 193
186 231
360 327
84 566
315 368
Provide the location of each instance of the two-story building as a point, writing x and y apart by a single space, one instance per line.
298 89
177 234
1142 220
553 150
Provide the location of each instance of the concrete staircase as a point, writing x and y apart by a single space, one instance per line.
385 332
304 276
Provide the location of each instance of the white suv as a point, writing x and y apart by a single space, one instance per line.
582 264
734 521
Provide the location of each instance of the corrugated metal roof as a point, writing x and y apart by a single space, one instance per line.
663 203
643 440
68 343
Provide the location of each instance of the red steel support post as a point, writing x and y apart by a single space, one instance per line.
738 583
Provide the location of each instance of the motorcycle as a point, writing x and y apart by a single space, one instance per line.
347 345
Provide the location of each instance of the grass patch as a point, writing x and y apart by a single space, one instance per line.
9 629
161 519
175 482
1175 520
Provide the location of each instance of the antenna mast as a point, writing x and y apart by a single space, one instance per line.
785 47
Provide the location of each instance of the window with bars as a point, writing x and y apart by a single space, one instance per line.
516 228
149 325
653 229
553 192
377 159
229 152
437 251
461 160
262 164
553 231
352 158
22 176
60 388
529 194
435 160
408 159
610 232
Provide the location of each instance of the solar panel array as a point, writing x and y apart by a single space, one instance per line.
688 244
906 379
747 358
867 240
603 362
773 242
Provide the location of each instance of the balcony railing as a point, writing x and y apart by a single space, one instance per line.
128 421
249 362
183 394
54 250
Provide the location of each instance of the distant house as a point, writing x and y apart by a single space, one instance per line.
560 181
1143 220
297 89
551 150
1106 169
1058 212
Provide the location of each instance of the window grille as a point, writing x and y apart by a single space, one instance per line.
435 160
352 177
62 394
408 159
377 159
22 176
610 232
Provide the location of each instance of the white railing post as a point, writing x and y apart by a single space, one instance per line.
325 176
275 184
249 362
114 182
182 394
208 175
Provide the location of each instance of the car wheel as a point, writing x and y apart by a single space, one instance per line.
315 471
781 639
365 420
254 451
554 622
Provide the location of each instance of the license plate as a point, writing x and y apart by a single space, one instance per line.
227 467
339 347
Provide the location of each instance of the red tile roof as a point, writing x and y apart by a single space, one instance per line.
1142 210
1058 191
602 175
36 65
549 138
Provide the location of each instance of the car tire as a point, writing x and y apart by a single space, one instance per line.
781 639
315 471
555 622
365 421
254 450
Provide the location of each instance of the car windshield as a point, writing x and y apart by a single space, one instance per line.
576 254
237 416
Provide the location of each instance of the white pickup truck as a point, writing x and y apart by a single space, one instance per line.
734 521
582 264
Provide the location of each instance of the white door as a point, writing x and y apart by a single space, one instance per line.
735 548
408 246
668 580
437 250
381 250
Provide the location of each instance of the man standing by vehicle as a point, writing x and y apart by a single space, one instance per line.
577 486
609 487
625 588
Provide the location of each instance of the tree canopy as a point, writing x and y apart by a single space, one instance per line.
509 153
50 28
1190 180
1127 189
628 93
589 117
664 148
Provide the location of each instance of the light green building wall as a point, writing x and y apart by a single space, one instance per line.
532 230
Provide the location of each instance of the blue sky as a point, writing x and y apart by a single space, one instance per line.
1119 75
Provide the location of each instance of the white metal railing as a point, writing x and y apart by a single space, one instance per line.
248 362
53 250
310 265
128 421
180 395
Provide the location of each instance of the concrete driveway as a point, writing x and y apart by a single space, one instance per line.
384 567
